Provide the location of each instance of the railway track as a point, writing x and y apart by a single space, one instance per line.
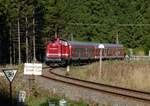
118 91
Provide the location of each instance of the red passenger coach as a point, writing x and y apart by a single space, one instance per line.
64 52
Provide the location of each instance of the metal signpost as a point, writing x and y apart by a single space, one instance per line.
10 74
101 47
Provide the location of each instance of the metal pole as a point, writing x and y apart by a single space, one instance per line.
100 63
10 91
68 64
10 46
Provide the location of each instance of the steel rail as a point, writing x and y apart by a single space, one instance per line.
140 95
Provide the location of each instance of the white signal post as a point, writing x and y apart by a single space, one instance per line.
101 47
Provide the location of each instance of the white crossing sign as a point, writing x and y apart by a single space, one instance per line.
10 74
33 69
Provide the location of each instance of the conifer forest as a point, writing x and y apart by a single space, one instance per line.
27 25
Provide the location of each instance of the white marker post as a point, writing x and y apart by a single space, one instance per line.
101 47
68 68
21 96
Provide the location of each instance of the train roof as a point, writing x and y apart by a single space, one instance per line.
77 43
83 43
112 45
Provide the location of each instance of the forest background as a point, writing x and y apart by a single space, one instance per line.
27 25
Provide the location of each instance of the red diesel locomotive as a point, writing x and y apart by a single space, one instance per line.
64 52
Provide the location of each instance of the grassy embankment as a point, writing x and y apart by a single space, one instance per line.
129 74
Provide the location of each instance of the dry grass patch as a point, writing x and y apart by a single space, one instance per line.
132 74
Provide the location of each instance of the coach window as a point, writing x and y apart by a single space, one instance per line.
84 52
108 52
91 51
121 51
81 52
73 51
111 51
105 52
88 52
117 52
76 51
98 51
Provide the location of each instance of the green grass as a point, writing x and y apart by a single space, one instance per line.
34 101
44 101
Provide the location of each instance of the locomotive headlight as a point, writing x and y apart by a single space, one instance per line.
47 54
59 54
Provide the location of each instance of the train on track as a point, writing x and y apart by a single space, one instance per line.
63 52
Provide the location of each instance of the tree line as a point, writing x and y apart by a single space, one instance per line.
26 25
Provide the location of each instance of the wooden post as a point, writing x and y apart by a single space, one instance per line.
34 54
19 51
